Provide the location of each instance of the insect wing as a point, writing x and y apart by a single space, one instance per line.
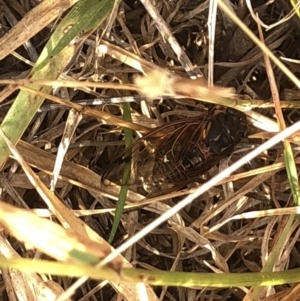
175 154
165 161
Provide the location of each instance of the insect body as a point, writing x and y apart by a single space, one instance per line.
182 152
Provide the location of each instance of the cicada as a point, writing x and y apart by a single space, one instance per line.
179 152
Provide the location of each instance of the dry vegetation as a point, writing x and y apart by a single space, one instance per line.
203 237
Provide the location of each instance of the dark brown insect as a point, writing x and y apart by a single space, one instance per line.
181 153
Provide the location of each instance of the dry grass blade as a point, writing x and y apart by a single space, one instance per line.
202 189
163 83
166 33
72 123
188 134
32 23
261 45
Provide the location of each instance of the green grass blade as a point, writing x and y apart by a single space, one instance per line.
84 17
277 248
154 277
126 174
292 173
50 65
294 4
